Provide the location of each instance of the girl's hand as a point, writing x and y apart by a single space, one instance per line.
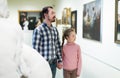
78 75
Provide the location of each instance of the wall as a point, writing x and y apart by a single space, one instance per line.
104 54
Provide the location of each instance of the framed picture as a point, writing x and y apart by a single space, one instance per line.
92 20
29 20
58 22
117 21
66 16
74 20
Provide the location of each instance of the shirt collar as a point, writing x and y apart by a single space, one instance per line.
70 43
45 25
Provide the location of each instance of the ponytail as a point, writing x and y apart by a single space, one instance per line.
63 39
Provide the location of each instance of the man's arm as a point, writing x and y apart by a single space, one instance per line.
58 48
35 39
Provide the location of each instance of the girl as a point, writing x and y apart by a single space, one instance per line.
71 54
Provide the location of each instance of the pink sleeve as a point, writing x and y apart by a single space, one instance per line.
79 62
62 54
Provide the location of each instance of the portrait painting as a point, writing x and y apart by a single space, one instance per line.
66 16
74 20
58 21
29 20
92 20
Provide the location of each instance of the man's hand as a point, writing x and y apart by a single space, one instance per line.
59 65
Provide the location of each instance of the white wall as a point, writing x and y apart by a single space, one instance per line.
93 68
106 51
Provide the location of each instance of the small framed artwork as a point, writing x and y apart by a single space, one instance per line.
29 20
58 22
117 21
92 20
74 20
66 14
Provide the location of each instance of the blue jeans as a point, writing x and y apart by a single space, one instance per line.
53 66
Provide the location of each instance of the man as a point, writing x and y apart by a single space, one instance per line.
46 40
18 60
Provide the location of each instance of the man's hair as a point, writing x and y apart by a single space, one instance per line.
45 10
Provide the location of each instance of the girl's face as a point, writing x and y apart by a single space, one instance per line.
71 37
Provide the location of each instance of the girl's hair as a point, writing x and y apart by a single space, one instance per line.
66 33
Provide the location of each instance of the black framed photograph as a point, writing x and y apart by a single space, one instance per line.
92 20
29 20
74 20
117 21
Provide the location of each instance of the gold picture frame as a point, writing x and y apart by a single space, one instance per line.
66 16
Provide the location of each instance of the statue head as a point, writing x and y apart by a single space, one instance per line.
4 13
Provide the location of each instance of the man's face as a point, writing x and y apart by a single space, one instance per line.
51 15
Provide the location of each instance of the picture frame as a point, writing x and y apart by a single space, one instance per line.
92 20
58 22
117 21
66 16
29 19
74 20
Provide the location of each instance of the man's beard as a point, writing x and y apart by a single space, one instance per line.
52 20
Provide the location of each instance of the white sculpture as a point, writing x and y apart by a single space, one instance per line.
16 58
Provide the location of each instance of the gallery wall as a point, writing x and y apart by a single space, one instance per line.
105 51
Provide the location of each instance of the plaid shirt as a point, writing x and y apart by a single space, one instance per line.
46 41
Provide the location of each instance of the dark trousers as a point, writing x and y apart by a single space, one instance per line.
53 66
70 74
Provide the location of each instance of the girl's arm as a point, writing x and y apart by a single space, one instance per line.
79 61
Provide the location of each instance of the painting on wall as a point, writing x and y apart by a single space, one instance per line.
29 20
92 20
58 22
117 21
66 16
74 20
